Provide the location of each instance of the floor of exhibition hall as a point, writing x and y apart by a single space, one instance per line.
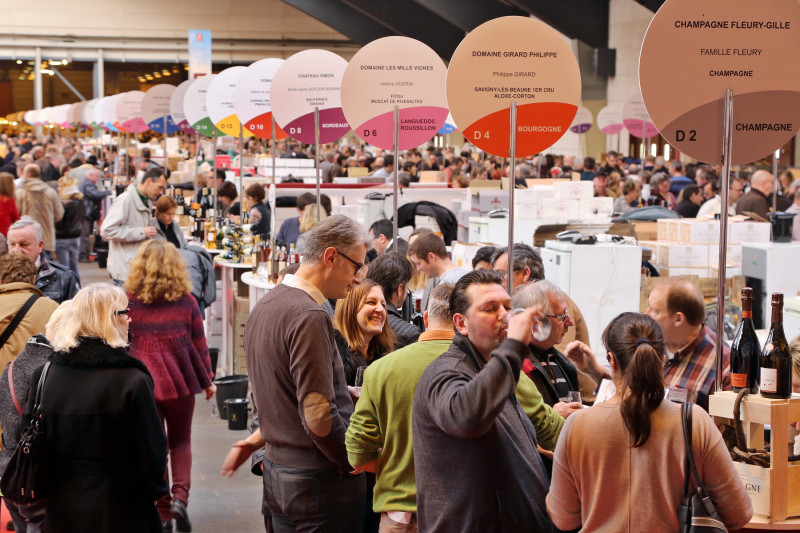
215 503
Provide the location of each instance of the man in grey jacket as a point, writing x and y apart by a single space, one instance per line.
130 222
476 463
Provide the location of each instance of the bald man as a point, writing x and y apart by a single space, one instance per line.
758 199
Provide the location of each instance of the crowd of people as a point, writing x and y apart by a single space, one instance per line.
365 422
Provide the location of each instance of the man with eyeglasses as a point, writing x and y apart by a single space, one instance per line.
553 374
712 205
299 388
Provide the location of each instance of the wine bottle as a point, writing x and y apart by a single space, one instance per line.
417 318
181 201
776 360
745 350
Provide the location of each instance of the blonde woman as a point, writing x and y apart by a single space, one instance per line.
308 221
167 336
106 450
68 229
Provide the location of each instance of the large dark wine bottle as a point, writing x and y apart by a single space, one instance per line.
745 350
776 361
417 318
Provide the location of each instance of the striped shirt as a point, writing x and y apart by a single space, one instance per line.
693 367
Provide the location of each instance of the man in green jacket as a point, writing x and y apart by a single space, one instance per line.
379 436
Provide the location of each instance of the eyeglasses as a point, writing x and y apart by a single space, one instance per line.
125 312
359 266
560 317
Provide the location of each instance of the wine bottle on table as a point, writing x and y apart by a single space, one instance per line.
776 360
745 350
417 318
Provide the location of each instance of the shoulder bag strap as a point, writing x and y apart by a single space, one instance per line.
688 446
17 319
11 387
37 403
689 456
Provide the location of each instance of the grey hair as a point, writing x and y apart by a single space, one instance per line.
657 178
439 303
337 231
537 293
26 221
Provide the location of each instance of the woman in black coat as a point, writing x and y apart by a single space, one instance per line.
106 448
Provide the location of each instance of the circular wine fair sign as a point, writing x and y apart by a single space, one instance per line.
176 107
389 72
129 112
636 119
155 108
513 59
582 122
194 105
709 47
609 120
219 102
252 99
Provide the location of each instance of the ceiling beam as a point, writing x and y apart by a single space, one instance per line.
586 20
342 18
469 15
652 5
409 19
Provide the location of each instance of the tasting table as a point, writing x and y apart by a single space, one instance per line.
230 272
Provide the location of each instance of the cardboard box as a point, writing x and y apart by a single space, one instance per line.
484 201
596 206
673 254
730 271
734 256
739 232
526 203
242 306
683 271
698 231
565 207
574 189
662 230
645 230
668 229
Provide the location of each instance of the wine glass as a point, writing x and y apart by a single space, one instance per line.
540 326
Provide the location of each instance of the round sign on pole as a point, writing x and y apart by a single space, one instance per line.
194 105
252 98
389 72
609 120
582 122
636 119
176 107
449 125
129 112
155 108
219 102
513 59
709 47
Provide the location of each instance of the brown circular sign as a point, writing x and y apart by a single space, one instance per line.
694 51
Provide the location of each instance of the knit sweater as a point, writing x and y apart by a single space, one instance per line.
601 483
168 338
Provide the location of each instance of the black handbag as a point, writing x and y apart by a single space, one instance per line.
25 478
697 513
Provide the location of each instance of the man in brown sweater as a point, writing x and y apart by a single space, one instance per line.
299 389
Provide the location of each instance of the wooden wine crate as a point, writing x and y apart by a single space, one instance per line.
774 491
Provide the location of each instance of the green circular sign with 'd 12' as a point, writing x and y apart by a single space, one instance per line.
513 59
194 106
219 102
695 50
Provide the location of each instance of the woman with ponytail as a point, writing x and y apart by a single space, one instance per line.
618 465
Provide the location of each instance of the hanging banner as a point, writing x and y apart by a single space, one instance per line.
199 53
389 72
155 108
609 120
219 102
708 47
582 122
194 105
513 59
252 98
176 107
636 119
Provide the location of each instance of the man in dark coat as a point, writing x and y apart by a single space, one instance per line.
476 464
758 199
392 271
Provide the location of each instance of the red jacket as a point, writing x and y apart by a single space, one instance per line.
8 213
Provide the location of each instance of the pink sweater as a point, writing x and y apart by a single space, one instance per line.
602 483
168 338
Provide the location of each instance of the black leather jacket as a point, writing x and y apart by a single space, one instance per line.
71 223
406 332
56 281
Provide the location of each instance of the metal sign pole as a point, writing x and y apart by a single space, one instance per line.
512 176
396 237
241 164
727 142
316 159
775 157
214 174
274 191
644 139
196 156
